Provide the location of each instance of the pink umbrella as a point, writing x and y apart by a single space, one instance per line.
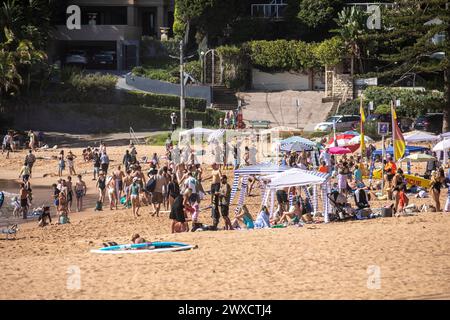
339 150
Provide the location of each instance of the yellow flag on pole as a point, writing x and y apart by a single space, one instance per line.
398 140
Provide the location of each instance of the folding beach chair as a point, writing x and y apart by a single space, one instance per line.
361 199
10 231
339 211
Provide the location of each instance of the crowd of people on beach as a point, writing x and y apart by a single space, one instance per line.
175 183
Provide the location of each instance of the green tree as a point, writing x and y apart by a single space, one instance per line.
10 78
315 13
417 40
330 52
351 28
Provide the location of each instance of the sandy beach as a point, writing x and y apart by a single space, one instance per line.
320 261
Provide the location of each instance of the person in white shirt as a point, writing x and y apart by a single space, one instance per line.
173 121
191 183
325 156
7 144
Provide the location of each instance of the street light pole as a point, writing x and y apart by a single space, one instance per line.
298 107
182 101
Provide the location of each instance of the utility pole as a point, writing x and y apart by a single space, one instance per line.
182 100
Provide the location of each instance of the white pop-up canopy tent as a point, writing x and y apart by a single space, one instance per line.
300 178
196 132
420 136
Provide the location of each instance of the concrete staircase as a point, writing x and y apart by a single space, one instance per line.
224 99
280 108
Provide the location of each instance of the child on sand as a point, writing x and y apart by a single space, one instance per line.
136 238
245 217
403 200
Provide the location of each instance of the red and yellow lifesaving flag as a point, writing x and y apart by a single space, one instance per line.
398 140
363 120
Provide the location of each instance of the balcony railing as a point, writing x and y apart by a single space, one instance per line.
269 11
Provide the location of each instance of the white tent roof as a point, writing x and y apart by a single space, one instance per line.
296 177
196 131
442 146
216 135
420 136
281 129
445 135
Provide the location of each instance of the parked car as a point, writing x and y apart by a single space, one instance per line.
343 123
431 122
103 60
78 57
404 123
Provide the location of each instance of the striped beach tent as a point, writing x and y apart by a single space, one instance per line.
262 169
301 178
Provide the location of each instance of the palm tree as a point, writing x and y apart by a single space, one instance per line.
351 24
29 57
10 78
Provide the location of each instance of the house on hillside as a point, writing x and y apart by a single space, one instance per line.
110 29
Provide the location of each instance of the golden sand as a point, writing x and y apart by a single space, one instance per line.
321 261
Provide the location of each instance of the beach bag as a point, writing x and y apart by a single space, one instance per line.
98 206
151 185
386 212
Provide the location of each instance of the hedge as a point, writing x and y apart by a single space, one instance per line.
121 117
63 94
161 100
413 103
285 55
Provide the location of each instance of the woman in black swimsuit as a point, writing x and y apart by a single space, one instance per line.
437 179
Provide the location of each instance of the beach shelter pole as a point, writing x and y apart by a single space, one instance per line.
316 201
327 209
242 194
272 202
408 164
383 154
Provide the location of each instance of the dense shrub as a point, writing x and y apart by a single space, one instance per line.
163 69
132 115
284 55
161 100
236 64
194 68
413 103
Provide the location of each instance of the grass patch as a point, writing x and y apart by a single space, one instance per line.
163 69
157 139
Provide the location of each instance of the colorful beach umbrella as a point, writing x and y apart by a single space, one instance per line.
357 140
342 140
339 150
351 132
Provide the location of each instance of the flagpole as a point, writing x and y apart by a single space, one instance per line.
383 154
393 134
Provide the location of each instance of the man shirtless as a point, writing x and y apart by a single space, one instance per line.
119 176
80 192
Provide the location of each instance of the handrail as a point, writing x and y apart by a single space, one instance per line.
133 137
273 10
